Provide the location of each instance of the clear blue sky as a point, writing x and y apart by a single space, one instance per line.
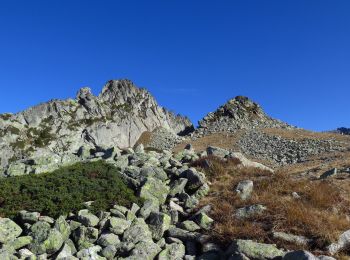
293 56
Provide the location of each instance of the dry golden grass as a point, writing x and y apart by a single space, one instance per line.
144 139
301 134
319 214
223 140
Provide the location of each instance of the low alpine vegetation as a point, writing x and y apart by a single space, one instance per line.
65 190
315 211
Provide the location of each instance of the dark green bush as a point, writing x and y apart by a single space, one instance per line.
65 190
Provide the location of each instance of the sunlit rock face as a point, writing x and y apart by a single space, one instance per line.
116 117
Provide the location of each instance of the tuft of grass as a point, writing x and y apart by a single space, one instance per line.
65 190
320 213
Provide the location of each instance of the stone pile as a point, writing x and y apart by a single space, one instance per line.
238 113
284 151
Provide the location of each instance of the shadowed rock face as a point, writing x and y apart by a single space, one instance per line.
238 113
116 117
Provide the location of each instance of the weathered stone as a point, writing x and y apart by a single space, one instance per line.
217 151
331 173
90 253
249 211
148 207
158 224
299 240
63 227
9 230
343 242
118 225
195 179
174 251
108 239
189 225
244 189
145 250
138 231
181 234
203 220
154 189
299 255
65 252
109 252
45 239
18 242
87 219
26 254
84 237
28 217
177 186
254 250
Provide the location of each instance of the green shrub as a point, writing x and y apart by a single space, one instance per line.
5 116
44 137
13 130
65 190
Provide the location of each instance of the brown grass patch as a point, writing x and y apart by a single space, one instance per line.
320 213
223 140
301 134
144 139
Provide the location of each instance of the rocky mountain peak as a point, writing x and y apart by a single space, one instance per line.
238 113
116 117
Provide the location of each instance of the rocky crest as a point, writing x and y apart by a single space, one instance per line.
117 116
238 113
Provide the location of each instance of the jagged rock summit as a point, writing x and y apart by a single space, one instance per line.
116 117
238 113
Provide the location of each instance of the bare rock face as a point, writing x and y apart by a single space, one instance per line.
116 117
238 113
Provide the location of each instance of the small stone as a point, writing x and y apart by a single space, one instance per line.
28 217
174 251
203 220
108 239
249 211
90 253
299 240
84 237
254 250
109 252
87 219
158 224
343 242
138 231
63 227
299 255
177 186
189 225
331 173
154 189
195 179
118 225
148 207
244 189
145 250
216 151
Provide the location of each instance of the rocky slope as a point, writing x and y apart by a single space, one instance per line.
238 113
168 226
56 129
